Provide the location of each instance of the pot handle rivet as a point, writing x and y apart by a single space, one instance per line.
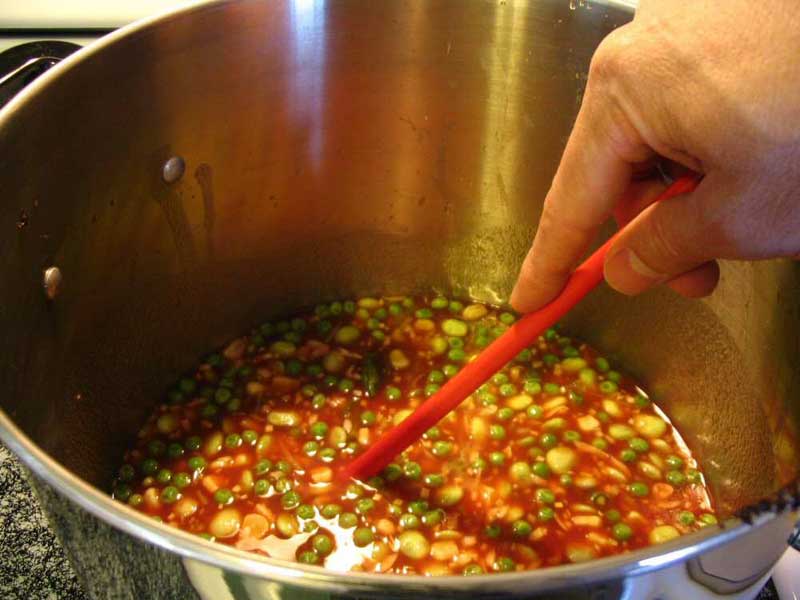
52 281
173 169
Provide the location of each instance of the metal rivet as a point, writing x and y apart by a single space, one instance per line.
52 281
173 169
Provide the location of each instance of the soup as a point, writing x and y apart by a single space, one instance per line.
559 458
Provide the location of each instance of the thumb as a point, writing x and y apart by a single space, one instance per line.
666 240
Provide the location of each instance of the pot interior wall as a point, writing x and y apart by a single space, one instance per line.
333 149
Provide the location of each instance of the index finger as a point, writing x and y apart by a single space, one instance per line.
594 172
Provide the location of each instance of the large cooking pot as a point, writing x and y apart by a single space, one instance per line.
194 174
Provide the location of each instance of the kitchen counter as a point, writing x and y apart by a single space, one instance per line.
32 563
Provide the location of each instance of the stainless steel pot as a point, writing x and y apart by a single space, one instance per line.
194 174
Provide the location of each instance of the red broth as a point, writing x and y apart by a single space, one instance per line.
559 458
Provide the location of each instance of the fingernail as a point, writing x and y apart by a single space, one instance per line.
626 273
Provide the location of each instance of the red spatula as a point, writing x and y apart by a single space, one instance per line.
518 337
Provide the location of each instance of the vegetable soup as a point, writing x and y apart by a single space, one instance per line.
558 458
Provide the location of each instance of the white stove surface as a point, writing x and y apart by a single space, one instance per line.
77 14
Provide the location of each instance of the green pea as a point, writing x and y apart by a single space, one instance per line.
318 401
565 479
364 505
642 401
498 459
433 517
290 500
521 528
412 470
614 376
674 462
492 531
442 448
347 520
169 495
708 519
449 371
193 443
548 440
322 544
175 450
149 466
196 463
532 386
686 517
135 500
431 389
156 448
599 443
639 445
693 476
309 557
127 473
487 398
409 521
508 389
497 432
545 496
362 536
392 472
552 388
433 480
261 487
368 418
223 496
524 356
627 455
283 466
478 464
613 515
546 513
573 436
305 511
423 313
534 411
209 411
418 507
505 413
550 360
433 433
456 355
621 532
164 476
346 385
676 478
504 564
608 387
310 448
122 492
233 441
541 469
638 488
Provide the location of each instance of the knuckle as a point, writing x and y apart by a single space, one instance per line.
613 56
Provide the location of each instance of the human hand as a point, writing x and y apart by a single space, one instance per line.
711 86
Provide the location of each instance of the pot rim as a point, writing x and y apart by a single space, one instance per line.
188 546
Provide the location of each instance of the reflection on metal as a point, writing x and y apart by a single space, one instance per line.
52 281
